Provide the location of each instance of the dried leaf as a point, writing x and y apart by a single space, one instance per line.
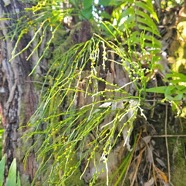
122 77
139 158
80 95
149 182
147 139
112 69
129 127
105 105
161 162
126 137
109 80
161 175
150 155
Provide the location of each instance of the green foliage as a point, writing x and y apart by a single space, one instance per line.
87 9
104 3
135 21
13 178
2 169
42 21
175 92
77 122
76 125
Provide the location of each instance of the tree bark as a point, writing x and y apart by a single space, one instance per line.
18 95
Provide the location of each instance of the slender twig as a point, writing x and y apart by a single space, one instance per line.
169 136
166 141
39 82
154 100
139 158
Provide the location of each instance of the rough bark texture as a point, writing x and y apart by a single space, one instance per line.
18 95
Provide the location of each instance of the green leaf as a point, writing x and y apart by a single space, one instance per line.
87 4
148 7
128 13
152 39
2 169
87 13
105 2
174 98
145 19
130 22
119 2
181 88
105 15
1 131
11 180
160 89
18 180
146 28
134 38
173 93
4 19
181 77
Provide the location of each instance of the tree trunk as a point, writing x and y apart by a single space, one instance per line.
18 96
